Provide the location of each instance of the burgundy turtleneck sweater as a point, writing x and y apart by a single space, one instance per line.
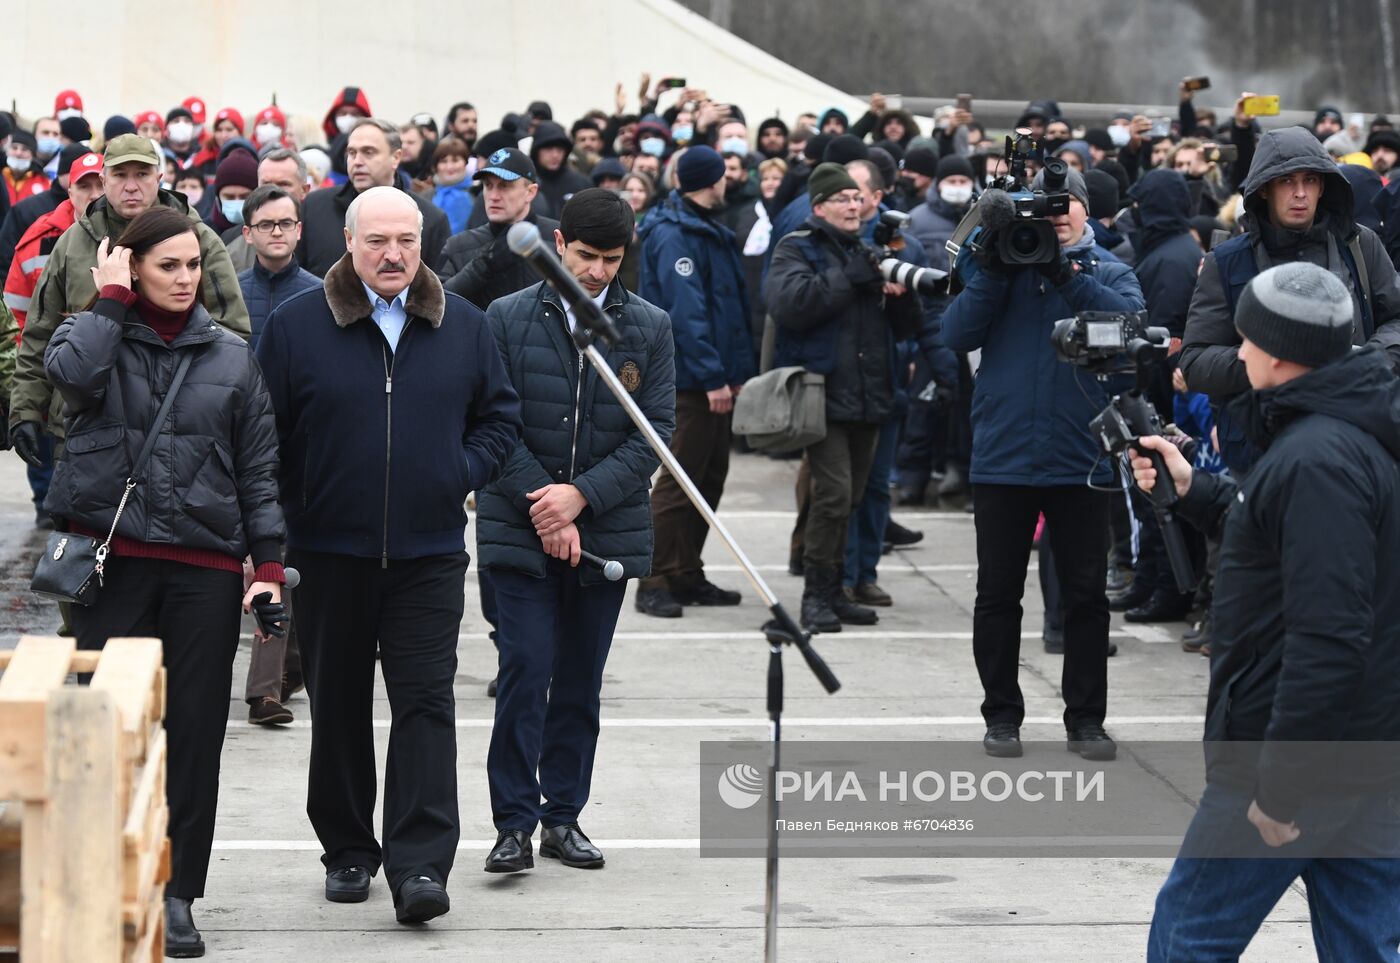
168 325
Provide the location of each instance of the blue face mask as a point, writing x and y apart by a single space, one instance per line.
233 210
654 146
48 146
682 133
734 145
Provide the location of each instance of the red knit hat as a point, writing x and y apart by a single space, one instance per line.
149 117
67 100
228 113
195 105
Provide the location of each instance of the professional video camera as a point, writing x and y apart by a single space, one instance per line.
1010 223
1108 343
889 241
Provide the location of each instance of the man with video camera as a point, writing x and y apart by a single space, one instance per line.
1032 453
837 316
1303 707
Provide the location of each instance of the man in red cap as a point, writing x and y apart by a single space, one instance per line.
269 127
349 106
228 124
150 123
67 104
198 113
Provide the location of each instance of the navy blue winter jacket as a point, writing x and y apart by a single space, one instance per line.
263 291
1031 411
691 270
379 447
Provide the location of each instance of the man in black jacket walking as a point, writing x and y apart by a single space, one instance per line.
392 404
577 480
1307 640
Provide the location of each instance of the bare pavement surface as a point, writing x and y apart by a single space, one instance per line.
670 685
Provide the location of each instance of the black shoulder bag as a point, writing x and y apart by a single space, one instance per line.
70 570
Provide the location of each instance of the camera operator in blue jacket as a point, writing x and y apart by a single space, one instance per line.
1032 453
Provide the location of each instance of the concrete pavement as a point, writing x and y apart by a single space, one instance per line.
670 685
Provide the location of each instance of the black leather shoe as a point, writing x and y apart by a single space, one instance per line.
849 611
899 536
491 687
659 603
707 593
1003 740
182 940
512 852
348 884
1091 742
570 846
1137 594
267 711
1161 607
817 615
419 899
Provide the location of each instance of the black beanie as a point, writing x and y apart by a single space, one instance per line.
1116 170
1103 193
773 123
923 161
1297 312
117 125
815 146
1098 137
953 165
845 148
75 128
829 179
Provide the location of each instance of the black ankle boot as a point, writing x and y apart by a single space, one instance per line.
847 609
817 615
182 940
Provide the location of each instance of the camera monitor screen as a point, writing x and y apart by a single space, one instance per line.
1103 334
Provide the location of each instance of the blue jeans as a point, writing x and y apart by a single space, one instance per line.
1209 909
865 532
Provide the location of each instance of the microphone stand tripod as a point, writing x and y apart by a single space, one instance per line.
592 323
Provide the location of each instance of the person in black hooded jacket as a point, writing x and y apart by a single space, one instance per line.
1303 682
1298 207
549 152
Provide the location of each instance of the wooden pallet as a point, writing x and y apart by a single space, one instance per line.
84 855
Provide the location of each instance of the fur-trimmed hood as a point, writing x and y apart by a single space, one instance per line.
345 293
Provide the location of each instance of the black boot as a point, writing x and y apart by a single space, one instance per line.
182 940
817 615
847 609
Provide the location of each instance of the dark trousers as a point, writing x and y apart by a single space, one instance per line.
865 534
1076 519
839 467
411 611
1050 587
273 660
701 444
554 638
195 612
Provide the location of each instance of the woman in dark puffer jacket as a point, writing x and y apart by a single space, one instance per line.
206 498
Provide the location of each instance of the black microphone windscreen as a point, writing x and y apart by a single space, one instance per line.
996 209
522 238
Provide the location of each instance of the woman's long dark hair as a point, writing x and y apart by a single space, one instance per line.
153 226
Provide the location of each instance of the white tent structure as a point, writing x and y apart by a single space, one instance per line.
125 56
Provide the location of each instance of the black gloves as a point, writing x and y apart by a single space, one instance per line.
1059 272
863 270
27 439
271 616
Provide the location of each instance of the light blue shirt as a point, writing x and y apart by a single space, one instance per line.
391 316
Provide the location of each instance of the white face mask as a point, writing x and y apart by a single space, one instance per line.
957 196
654 146
180 132
1120 135
67 112
734 145
267 133
344 122
18 164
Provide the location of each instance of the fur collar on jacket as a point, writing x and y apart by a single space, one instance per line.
346 295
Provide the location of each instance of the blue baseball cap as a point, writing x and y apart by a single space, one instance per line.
509 164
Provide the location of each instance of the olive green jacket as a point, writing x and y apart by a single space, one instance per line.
66 287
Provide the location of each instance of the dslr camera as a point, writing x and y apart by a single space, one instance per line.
1010 223
889 241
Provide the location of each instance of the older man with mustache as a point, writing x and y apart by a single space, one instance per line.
392 404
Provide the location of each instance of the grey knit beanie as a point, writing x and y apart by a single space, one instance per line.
1297 312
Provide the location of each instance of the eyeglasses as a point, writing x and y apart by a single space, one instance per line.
843 199
267 227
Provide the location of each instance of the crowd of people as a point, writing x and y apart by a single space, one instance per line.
366 263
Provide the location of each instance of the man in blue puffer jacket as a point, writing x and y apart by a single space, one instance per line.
692 270
1032 453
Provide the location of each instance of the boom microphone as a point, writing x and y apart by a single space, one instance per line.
524 240
997 209
612 569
